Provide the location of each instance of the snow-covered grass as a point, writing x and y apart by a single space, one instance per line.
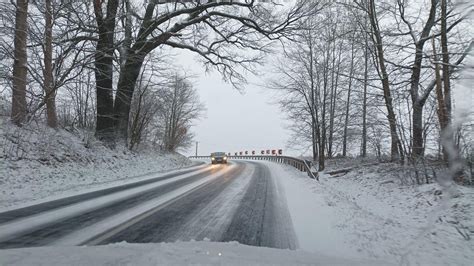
180 253
38 162
369 213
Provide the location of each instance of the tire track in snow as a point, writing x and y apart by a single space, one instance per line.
262 218
53 231
32 223
213 220
113 225
165 224
29 210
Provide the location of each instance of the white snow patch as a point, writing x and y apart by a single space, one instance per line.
368 213
312 217
38 162
180 253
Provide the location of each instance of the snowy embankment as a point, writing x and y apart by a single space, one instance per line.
368 213
39 163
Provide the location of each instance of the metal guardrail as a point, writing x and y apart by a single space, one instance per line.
302 165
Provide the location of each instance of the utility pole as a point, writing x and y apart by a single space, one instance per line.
197 148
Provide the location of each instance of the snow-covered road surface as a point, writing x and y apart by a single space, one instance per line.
17 222
205 210
236 202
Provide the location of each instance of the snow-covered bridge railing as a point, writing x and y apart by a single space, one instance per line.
302 165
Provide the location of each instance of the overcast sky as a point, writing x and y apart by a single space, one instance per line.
234 121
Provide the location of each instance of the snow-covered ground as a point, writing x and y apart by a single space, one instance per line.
180 253
369 216
368 213
38 162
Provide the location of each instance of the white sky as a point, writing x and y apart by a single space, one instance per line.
234 121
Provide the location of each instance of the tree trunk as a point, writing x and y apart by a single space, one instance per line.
441 111
125 89
364 101
395 152
448 133
50 91
346 120
314 143
417 115
313 107
418 104
104 71
323 136
445 52
314 127
20 68
417 118
334 89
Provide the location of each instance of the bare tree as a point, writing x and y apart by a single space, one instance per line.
76 105
52 119
206 28
308 83
56 47
377 39
20 68
364 97
104 69
182 107
348 100
385 29
417 101
446 70
147 104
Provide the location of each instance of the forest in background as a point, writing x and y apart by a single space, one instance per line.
379 78
357 78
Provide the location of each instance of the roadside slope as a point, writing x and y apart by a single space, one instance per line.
38 162
368 213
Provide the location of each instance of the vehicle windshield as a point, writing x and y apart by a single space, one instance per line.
347 126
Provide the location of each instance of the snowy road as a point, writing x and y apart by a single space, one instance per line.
236 202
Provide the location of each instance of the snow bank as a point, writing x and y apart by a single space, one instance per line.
180 253
312 218
368 213
38 162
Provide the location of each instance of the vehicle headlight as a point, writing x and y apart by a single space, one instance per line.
225 158
212 158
